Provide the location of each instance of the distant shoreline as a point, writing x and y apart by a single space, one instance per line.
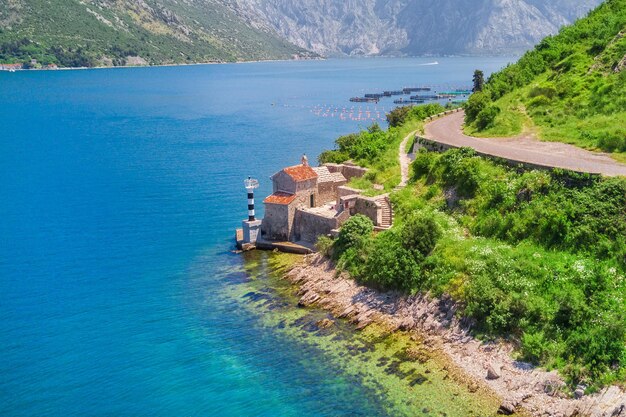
256 61
164 65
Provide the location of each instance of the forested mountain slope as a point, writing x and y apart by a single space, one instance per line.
76 33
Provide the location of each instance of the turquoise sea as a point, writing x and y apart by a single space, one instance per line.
120 192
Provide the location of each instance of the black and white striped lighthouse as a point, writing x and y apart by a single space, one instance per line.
251 184
251 226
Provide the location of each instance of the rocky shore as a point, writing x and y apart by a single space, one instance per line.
522 388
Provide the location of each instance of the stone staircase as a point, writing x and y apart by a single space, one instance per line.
387 218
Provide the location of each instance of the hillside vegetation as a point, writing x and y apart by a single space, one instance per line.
570 88
378 149
536 257
73 33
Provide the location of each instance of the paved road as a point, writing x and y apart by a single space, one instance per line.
524 148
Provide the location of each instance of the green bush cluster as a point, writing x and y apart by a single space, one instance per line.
566 312
545 262
574 212
534 256
392 259
572 46
369 146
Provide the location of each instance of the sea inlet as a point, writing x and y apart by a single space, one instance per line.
119 293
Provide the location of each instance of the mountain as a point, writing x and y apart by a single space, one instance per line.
122 32
570 88
412 27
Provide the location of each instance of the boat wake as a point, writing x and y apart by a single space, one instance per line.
428 64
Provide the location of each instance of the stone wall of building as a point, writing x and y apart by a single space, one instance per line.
328 192
347 170
306 185
344 190
283 182
309 226
369 207
303 199
276 223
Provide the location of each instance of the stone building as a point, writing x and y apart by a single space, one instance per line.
293 187
311 201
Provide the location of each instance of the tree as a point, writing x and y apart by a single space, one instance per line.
420 233
398 116
353 232
479 80
474 105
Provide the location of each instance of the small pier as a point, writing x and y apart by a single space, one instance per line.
299 248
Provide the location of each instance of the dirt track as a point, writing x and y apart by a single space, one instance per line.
524 148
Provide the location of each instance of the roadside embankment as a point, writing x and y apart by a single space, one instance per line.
447 133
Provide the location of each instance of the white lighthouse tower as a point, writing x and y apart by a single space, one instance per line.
251 226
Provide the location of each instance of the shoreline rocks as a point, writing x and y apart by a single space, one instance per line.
523 388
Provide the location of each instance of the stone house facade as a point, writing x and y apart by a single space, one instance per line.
311 201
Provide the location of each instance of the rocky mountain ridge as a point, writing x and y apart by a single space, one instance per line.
412 27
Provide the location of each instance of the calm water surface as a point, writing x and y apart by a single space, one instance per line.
120 190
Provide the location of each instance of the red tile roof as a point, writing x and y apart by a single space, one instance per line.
300 172
280 198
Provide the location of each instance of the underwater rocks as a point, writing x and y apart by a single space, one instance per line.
435 322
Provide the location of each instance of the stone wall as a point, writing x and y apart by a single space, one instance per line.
431 145
309 226
344 190
328 192
276 224
283 182
303 198
347 170
434 146
369 207
306 185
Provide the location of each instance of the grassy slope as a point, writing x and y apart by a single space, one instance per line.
163 32
569 88
378 149
538 258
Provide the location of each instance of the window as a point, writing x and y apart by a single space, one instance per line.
312 200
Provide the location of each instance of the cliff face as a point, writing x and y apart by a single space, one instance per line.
412 27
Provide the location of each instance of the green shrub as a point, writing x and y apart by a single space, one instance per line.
534 347
324 245
398 116
474 105
420 233
390 265
487 116
354 232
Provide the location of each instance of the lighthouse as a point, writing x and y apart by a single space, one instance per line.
251 226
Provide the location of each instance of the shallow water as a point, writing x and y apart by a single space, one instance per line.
120 192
